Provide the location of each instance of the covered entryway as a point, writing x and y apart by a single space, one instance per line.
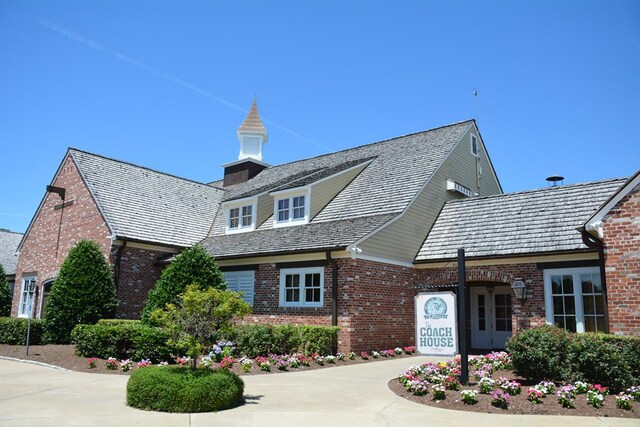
490 315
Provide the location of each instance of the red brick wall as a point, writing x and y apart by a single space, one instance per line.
81 220
139 272
621 230
375 309
527 314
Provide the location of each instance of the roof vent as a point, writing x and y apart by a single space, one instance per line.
555 180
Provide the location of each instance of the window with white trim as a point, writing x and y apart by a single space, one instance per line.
574 299
302 287
240 218
293 209
474 145
26 296
242 282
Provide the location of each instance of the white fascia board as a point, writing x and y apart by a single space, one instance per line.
291 191
247 159
595 222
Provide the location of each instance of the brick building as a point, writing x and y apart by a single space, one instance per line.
345 238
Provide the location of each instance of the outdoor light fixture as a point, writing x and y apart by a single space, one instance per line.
519 289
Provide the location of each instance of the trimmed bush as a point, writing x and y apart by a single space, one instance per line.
605 359
180 389
540 353
193 266
115 322
83 292
14 331
259 340
122 340
5 294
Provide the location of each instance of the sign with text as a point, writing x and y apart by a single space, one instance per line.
436 324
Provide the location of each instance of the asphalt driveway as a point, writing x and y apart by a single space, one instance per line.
356 395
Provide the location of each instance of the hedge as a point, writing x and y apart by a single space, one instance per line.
550 353
181 389
121 339
259 340
14 331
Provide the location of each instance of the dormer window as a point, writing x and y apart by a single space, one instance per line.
240 218
292 209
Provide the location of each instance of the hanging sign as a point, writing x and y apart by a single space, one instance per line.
436 324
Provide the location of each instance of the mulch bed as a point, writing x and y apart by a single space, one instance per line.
64 356
519 403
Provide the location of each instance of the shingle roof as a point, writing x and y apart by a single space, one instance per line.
146 205
253 122
8 245
337 234
399 168
528 222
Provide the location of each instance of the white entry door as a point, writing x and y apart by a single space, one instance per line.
490 316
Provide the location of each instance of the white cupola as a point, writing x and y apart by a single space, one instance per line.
252 135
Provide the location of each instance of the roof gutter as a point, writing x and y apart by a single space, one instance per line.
593 242
116 270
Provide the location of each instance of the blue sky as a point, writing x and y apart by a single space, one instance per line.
166 84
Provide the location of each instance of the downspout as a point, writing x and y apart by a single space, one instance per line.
593 242
116 273
334 289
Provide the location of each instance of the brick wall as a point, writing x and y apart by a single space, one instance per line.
527 314
139 272
621 230
81 220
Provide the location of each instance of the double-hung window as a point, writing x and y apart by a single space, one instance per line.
240 218
27 296
574 299
290 210
302 287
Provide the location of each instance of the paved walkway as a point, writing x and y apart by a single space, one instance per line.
342 396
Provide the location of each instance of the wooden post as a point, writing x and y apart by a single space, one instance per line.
462 321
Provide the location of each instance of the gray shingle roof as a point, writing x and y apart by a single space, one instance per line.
399 168
146 205
528 222
313 236
8 245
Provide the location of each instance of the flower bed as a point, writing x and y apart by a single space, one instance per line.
494 388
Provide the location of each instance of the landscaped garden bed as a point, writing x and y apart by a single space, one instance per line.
64 356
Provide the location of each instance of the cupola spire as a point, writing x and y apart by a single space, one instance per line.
252 135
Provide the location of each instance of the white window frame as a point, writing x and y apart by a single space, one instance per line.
291 195
23 294
577 292
471 140
240 205
301 272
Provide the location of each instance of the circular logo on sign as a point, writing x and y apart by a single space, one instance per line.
435 308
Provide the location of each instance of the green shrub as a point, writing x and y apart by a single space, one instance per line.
181 389
193 266
605 359
5 294
123 340
113 322
83 292
540 353
259 340
14 331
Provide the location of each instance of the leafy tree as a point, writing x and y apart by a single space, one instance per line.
83 292
201 318
5 295
193 266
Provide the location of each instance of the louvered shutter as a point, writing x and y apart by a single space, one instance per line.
241 281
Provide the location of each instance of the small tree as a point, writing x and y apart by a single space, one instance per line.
201 318
83 292
193 266
5 295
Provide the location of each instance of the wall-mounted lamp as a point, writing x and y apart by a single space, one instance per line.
519 289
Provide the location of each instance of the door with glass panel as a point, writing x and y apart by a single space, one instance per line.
574 299
490 316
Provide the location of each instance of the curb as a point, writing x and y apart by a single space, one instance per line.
33 362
